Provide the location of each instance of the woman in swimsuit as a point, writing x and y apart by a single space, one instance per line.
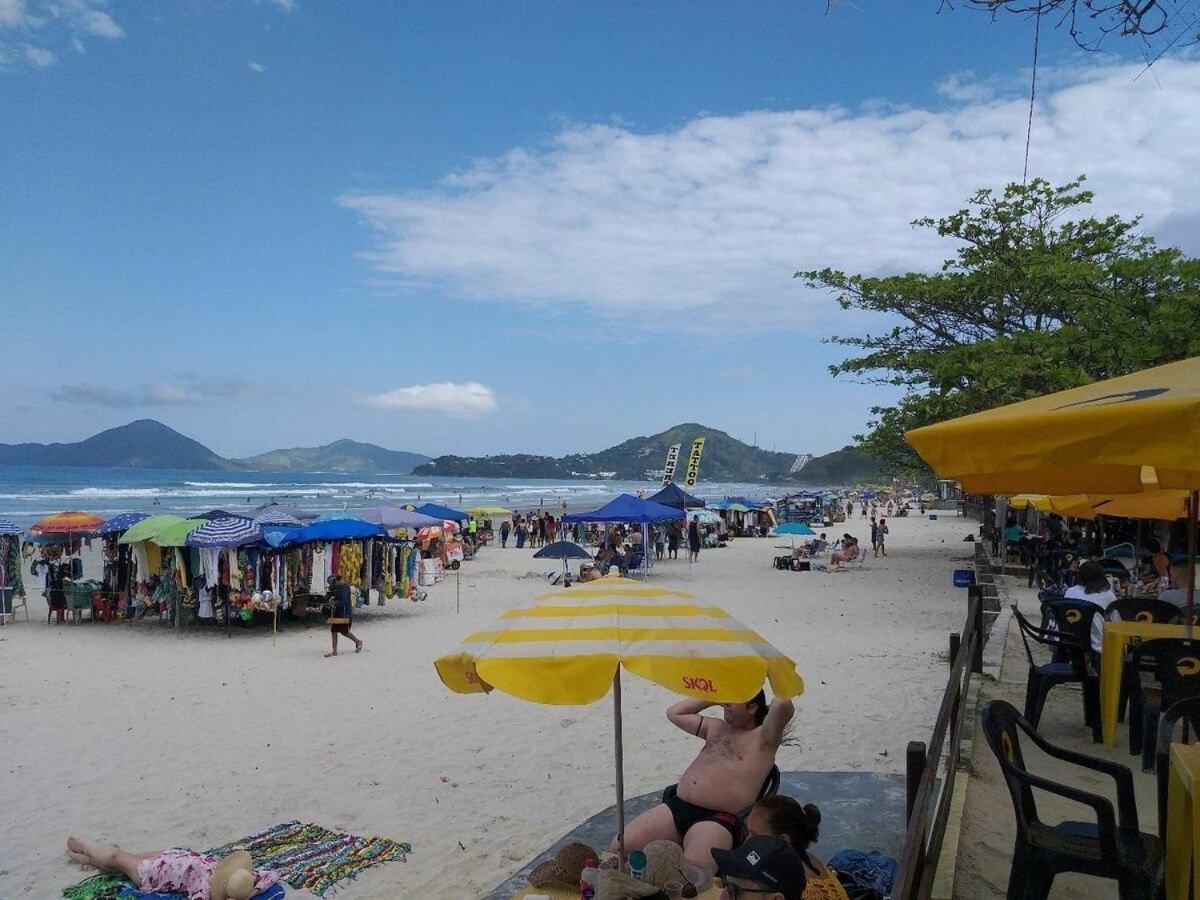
784 818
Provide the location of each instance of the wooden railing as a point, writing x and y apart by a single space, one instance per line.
929 798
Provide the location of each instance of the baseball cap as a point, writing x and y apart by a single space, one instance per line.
769 861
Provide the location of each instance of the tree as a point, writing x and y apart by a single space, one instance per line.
1089 22
1033 301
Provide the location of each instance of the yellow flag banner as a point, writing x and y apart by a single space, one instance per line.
693 466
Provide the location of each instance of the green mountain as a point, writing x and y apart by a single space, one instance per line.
142 444
725 459
346 456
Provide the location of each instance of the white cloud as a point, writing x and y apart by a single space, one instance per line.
187 391
38 57
469 399
703 226
257 67
49 26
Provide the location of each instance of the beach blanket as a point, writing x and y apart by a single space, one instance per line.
307 857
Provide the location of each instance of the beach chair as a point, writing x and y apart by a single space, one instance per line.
1111 847
1045 676
1189 711
1144 609
1177 671
636 562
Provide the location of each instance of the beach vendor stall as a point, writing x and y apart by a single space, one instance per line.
117 560
61 537
630 510
216 544
11 585
568 647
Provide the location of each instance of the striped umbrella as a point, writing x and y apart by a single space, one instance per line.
70 522
277 515
8 527
568 647
122 522
231 531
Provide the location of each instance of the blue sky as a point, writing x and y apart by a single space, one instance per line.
539 227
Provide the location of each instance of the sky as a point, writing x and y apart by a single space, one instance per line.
514 227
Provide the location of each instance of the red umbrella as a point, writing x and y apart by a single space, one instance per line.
70 522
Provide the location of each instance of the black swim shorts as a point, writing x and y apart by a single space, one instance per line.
687 814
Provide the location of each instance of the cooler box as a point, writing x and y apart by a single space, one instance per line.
431 572
933 517
963 578
454 551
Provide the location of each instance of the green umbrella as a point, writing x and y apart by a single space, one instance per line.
148 528
175 534
738 507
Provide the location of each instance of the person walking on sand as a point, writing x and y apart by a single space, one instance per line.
694 541
504 529
874 536
881 547
702 812
673 536
340 615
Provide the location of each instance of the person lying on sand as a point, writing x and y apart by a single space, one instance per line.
198 875
702 811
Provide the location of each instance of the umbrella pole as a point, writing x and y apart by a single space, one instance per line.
1193 512
619 748
458 590
275 622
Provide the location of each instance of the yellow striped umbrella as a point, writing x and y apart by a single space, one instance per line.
568 647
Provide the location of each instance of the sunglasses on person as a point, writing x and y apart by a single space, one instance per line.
733 891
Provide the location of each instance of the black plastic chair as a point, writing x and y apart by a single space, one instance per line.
1111 847
1189 711
1177 671
1073 670
1144 609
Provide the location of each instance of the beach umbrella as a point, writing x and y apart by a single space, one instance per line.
704 516
9 527
442 512
487 512
230 531
326 531
568 647
147 528
278 515
176 533
1040 502
563 550
70 522
121 522
217 514
794 528
394 517
1125 435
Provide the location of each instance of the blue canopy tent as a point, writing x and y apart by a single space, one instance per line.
394 517
630 510
673 495
328 530
445 513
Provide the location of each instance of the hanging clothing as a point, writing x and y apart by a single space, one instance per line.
320 568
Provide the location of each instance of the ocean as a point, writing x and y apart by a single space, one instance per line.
29 492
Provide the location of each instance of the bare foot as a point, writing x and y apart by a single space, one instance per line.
90 854
331 653
358 649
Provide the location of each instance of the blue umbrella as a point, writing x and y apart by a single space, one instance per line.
391 517
217 514
329 530
562 550
230 531
278 515
794 528
122 522
628 509
7 527
445 513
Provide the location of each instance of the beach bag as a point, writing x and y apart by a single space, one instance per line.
338 620
783 562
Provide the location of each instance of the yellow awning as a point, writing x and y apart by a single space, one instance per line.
565 647
1119 436
1040 502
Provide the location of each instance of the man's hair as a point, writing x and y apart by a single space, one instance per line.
1092 578
760 710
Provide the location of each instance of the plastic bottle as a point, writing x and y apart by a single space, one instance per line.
587 880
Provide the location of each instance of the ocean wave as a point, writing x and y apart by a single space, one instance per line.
234 484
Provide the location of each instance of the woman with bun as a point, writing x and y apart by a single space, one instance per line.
784 818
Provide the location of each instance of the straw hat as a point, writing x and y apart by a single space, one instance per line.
233 878
565 868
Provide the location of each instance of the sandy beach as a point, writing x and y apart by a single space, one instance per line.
155 739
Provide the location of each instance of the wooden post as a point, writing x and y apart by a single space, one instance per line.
975 614
955 646
1193 512
915 769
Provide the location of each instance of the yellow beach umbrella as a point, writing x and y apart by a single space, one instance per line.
487 512
1040 502
1100 438
568 647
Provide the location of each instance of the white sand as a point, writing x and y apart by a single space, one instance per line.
144 737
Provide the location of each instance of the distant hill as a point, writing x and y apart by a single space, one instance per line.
148 444
725 459
347 456
143 444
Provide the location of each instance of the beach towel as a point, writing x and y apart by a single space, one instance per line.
307 857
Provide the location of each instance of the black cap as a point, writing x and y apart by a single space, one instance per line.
767 860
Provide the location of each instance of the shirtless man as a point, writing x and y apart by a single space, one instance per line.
701 812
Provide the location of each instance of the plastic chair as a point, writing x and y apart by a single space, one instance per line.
1111 847
1073 670
1178 674
1144 609
1189 710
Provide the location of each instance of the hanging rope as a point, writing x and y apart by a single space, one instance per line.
1037 35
